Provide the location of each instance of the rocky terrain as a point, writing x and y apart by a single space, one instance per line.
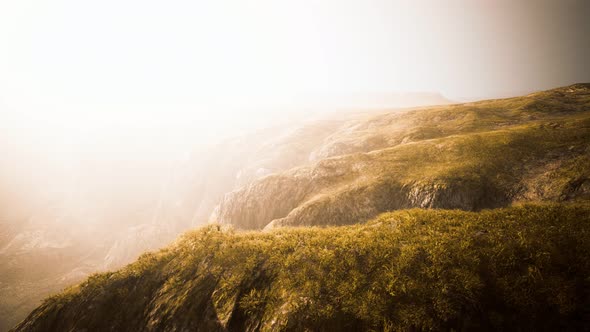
55 233
468 156
326 171
343 171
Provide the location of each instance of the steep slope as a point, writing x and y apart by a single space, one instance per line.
469 156
215 170
513 269
123 205
336 172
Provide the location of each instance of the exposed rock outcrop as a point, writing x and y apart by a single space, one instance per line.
470 157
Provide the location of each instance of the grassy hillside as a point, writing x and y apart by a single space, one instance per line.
521 268
515 267
470 156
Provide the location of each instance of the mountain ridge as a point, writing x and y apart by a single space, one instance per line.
147 204
472 156
511 269
281 198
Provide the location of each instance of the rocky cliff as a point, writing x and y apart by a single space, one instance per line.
470 156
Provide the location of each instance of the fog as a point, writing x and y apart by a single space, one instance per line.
148 81
104 105
122 123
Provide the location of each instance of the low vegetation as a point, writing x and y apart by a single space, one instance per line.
498 238
522 268
470 156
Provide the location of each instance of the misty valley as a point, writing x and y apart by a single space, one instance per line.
468 216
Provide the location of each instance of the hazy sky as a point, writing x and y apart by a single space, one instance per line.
91 61
136 84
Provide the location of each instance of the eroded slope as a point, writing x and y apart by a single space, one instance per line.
470 156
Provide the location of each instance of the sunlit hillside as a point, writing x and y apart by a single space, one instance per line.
280 165
465 156
501 266
74 203
521 268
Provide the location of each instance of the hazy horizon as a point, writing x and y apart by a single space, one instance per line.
135 63
188 72
145 83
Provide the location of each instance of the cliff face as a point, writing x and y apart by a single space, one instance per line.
470 157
